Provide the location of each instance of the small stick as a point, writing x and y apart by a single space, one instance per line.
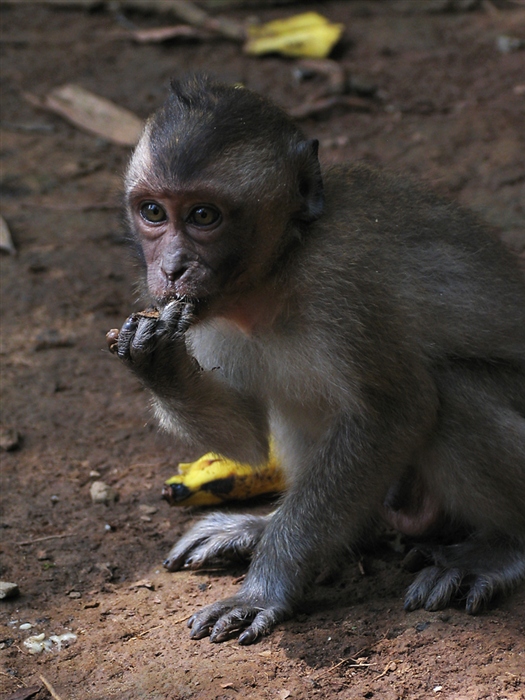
340 663
182 619
50 688
44 539
185 10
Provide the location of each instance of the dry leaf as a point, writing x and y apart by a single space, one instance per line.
24 693
143 583
92 113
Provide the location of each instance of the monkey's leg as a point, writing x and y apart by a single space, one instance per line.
217 537
328 506
477 465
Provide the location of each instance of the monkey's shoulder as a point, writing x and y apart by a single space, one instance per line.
378 221
383 201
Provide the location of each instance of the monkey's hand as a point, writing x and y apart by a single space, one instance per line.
217 537
152 344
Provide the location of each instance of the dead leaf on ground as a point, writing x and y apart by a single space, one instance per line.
143 583
24 693
307 35
91 113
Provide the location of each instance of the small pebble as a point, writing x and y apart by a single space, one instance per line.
8 590
102 493
25 626
148 510
9 439
52 338
75 594
507 44
42 555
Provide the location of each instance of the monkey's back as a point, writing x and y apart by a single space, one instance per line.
423 265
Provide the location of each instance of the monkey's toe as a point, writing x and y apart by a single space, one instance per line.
434 588
480 594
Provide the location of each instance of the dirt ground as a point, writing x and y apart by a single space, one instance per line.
450 108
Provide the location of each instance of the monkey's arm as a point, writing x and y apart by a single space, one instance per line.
203 411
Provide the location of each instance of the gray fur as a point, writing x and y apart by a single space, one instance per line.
381 342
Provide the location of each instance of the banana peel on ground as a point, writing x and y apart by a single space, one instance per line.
308 35
213 479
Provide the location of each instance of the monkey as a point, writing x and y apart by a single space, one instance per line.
374 329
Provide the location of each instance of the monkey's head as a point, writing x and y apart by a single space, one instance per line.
219 187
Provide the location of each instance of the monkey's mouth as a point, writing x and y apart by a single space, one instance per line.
198 304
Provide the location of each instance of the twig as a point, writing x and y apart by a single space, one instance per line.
182 619
183 9
309 109
391 666
340 663
50 688
143 634
44 539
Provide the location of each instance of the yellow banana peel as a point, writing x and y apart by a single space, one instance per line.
308 35
214 479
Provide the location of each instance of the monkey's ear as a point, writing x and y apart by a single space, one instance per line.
310 181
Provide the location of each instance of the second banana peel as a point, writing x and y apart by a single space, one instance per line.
308 35
213 479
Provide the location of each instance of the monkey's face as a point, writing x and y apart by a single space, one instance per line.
193 240
212 236
219 184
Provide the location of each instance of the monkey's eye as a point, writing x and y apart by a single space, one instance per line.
153 213
204 216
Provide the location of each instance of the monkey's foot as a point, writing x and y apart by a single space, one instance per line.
226 618
473 571
217 537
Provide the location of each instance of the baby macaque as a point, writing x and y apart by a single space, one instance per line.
374 330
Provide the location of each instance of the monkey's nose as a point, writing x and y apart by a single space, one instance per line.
173 274
174 267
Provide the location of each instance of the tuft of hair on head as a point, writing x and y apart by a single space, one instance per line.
204 120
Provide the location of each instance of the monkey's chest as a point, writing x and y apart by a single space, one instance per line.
296 382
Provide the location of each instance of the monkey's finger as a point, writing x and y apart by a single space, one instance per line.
177 560
187 317
143 340
125 336
176 317
180 554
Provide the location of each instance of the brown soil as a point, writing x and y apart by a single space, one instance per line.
452 111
